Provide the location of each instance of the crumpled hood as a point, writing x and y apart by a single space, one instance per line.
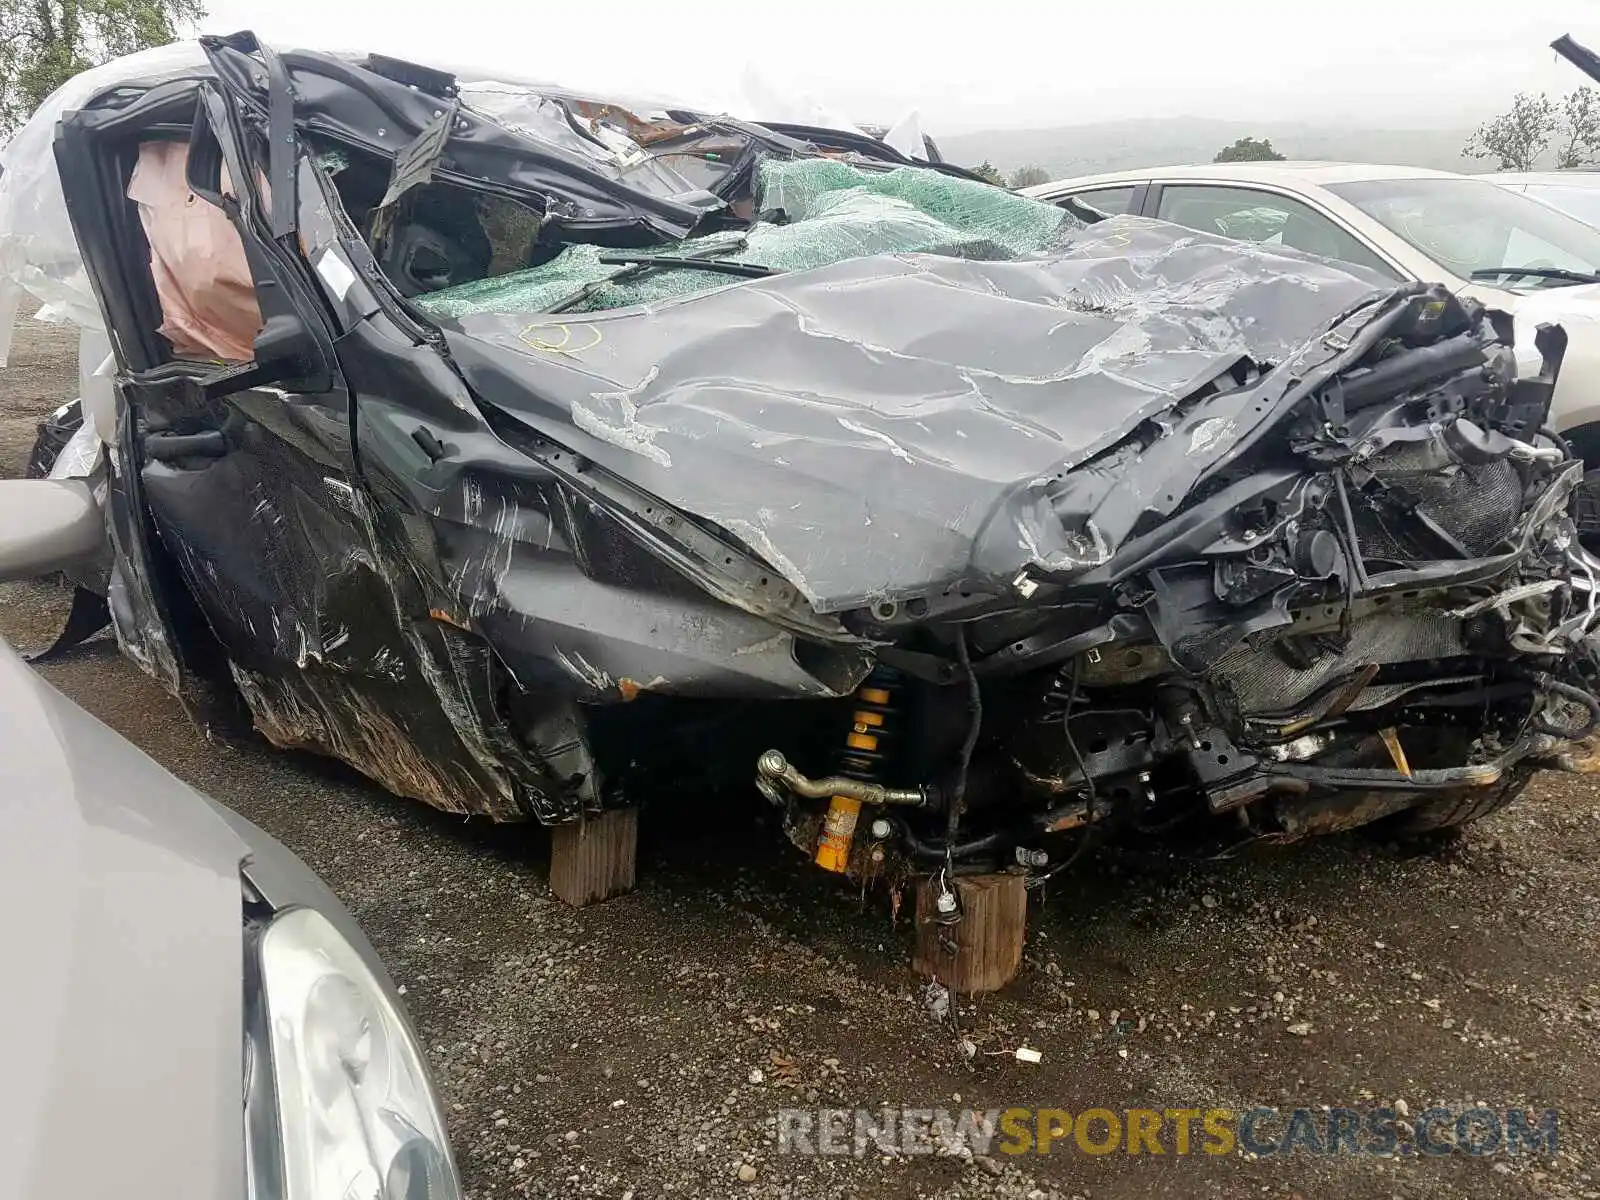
119 889
878 427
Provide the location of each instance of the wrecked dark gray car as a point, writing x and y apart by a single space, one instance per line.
581 454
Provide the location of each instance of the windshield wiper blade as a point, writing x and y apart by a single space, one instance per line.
1537 273
727 266
638 264
572 299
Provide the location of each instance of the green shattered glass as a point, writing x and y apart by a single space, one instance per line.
835 211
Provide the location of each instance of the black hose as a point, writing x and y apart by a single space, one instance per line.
1089 835
1066 732
1545 682
952 851
1549 431
1577 696
1410 371
958 793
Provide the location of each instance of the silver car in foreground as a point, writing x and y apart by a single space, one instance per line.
188 1012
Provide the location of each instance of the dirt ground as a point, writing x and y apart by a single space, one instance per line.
643 1048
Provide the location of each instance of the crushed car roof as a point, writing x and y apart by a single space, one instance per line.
892 405
39 254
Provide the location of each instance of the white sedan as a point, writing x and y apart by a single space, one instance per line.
1406 223
1575 192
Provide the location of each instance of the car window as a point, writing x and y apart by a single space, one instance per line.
1580 202
1256 216
1113 201
1477 229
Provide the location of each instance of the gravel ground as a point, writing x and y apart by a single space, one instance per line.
642 1048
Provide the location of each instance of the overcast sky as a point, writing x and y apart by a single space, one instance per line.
993 64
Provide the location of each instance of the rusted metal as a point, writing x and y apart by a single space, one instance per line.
1581 757
1305 816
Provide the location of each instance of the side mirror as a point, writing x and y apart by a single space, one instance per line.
285 347
291 356
287 355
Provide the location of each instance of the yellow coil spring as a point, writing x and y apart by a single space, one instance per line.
863 759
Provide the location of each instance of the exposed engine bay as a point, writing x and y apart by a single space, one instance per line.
590 456
1377 609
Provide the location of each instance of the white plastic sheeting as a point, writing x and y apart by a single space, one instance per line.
38 253
80 456
906 136
749 96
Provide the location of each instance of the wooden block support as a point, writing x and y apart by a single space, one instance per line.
593 859
987 941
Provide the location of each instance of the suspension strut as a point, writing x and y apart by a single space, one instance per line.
863 759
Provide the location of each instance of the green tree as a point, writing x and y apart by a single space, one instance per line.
1029 175
1517 137
1247 149
43 43
989 172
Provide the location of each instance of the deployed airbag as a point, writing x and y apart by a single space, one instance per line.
208 301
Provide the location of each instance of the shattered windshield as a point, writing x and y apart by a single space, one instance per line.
819 211
1478 230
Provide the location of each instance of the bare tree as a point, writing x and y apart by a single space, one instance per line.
1580 128
1518 136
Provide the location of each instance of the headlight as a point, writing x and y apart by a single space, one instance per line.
356 1114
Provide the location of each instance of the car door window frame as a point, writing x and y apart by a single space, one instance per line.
1158 191
117 253
1135 203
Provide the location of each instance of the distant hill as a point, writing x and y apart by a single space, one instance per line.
1068 150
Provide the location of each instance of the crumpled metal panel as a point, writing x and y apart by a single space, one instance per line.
312 595
875 427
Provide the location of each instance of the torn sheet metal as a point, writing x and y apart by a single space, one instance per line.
1087 524
378 107
328 635
888 426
